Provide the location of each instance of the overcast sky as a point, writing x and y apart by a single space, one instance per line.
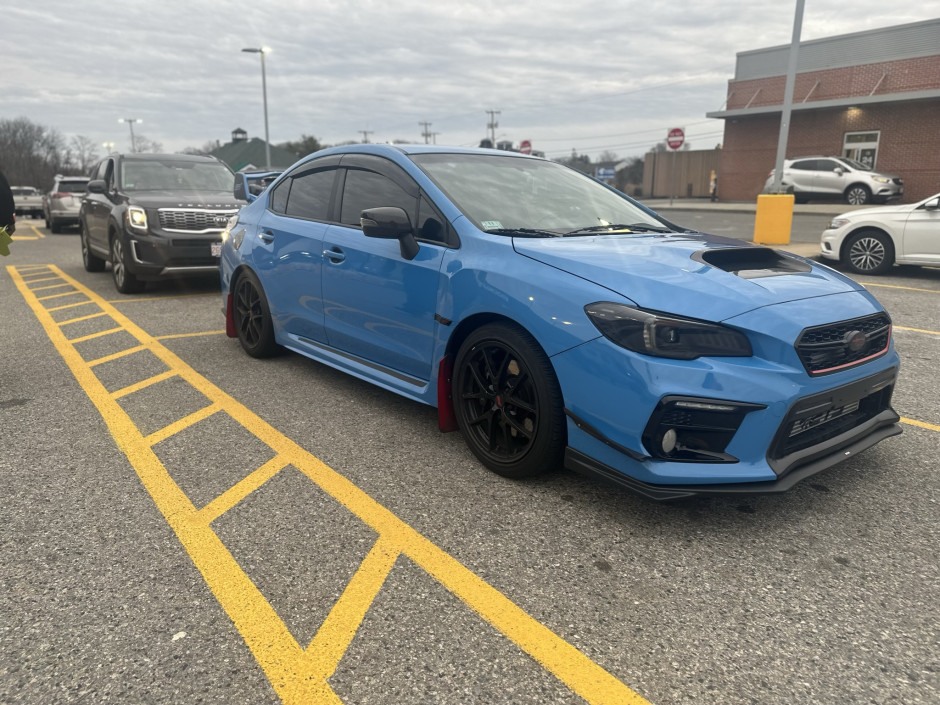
588 75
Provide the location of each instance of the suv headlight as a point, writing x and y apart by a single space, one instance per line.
881 179
137 217
837 223
664 335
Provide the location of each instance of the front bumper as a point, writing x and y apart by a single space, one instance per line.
157 256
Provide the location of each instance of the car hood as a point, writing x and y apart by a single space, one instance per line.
878 211
671 272
184 199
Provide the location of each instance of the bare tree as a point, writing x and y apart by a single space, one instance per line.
143 144
30 154
608 156
84 153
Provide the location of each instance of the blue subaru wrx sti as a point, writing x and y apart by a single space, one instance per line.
553 320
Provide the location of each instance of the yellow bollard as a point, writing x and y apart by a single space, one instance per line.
774 219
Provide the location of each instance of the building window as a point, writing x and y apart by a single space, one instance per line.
862 147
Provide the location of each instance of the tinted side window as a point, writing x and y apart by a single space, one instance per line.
310 195
828 165
279 196
366 189
805 165
431 224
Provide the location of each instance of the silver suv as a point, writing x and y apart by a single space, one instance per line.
61 205
836 177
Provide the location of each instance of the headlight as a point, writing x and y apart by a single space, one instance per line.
137 217
837 223
663 335
232 222
881 179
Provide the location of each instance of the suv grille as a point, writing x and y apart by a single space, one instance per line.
191 220
835 346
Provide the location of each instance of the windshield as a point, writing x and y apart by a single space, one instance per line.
854 164
508 193
72 186
172 175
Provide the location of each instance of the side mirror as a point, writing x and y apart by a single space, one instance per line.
241 190
390 223
839 170
96 186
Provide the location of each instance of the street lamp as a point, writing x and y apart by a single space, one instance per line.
130 123
108 146
264 92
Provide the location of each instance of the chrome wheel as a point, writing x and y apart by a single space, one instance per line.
869 252
857 196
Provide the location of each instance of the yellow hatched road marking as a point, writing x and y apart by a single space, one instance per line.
62 308
83 318
38 232
921 424
116 356
57 296
41 279
92 336
143 384
189 335
244 487
23 237
298 675
51 286
184 423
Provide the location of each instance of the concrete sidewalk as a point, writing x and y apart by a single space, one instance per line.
703 204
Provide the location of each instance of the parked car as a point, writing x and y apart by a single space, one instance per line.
554 320
27 201
870 241
61 206
154 216
810 178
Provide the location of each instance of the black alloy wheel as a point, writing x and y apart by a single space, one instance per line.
253 317
857 195
92 262
124 280
869 252
508 403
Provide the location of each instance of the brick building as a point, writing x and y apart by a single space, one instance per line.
873 96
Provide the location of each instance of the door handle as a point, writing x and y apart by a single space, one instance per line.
335 255
267 236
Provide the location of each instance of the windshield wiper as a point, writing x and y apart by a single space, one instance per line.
633 227
525 232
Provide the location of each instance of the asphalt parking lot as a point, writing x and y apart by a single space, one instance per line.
183 523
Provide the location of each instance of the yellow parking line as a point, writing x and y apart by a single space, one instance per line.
242 489
895 286
188 335
92 336
57 296
62 308
38 232
917 330
115 356
143 384
921 424
136 300
327 648
51 286
182 424
31 268
42 279
23 237
82 318
295 676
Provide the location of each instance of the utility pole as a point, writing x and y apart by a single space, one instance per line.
492 125
365 135
434 136
130 123
788 97
427 131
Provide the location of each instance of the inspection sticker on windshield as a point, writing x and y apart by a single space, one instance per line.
216 248
492 225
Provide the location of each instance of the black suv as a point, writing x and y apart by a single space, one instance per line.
155 215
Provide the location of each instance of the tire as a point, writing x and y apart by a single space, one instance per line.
92 262
857 195
124 280
508 403
253 317
868 252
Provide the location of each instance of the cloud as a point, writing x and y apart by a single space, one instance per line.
592 75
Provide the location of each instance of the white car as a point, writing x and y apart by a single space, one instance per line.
870 241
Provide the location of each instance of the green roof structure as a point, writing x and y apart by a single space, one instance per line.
242 154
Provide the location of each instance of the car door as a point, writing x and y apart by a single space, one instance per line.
96 207
288 256
378 305
922 233
829 177
800 174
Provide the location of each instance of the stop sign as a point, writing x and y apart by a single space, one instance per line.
525 147
675 138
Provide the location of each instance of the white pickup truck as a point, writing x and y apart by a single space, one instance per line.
27 201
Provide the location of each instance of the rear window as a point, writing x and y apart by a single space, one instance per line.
72 186
24 191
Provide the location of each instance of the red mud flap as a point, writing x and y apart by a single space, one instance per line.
446 420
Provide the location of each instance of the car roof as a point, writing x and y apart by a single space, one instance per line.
414 149
147 156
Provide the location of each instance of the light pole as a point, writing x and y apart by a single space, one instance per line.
108 146
130 123
264 92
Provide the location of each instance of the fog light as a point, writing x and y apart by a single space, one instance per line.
669 441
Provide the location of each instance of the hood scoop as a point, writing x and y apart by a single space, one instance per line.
751 262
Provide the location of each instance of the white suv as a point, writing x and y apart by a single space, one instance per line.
61 205
836 177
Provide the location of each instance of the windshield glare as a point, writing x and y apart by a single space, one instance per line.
506 193
172 175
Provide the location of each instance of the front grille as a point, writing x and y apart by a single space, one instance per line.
899 182
806 426
828 348
188 219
